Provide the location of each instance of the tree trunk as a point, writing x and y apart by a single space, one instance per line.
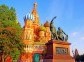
3 58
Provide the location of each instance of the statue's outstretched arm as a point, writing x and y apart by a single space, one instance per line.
53 18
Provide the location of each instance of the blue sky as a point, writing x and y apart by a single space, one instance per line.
70 16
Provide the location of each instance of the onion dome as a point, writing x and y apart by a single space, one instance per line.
47 24
42 28
30 16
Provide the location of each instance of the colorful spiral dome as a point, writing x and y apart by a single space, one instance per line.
47 24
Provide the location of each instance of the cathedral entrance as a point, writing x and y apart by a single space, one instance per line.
36 57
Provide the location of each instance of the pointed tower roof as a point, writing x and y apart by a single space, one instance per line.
34 12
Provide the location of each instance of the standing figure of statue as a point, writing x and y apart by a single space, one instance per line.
60 34
53 30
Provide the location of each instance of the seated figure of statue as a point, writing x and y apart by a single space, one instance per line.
66 37
60 34
53 30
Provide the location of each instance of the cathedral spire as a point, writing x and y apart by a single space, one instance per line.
35 14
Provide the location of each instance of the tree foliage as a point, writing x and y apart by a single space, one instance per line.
8 13
10 32
79 58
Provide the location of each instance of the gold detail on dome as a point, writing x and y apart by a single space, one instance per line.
47 24
42 28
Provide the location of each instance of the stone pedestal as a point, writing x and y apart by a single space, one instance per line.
57 51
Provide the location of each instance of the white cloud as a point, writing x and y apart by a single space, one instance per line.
74 34
81 38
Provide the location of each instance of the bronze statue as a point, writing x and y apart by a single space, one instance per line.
66 37
62 35
59 34
53 30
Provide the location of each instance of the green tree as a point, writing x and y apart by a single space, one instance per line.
10 32
8 13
